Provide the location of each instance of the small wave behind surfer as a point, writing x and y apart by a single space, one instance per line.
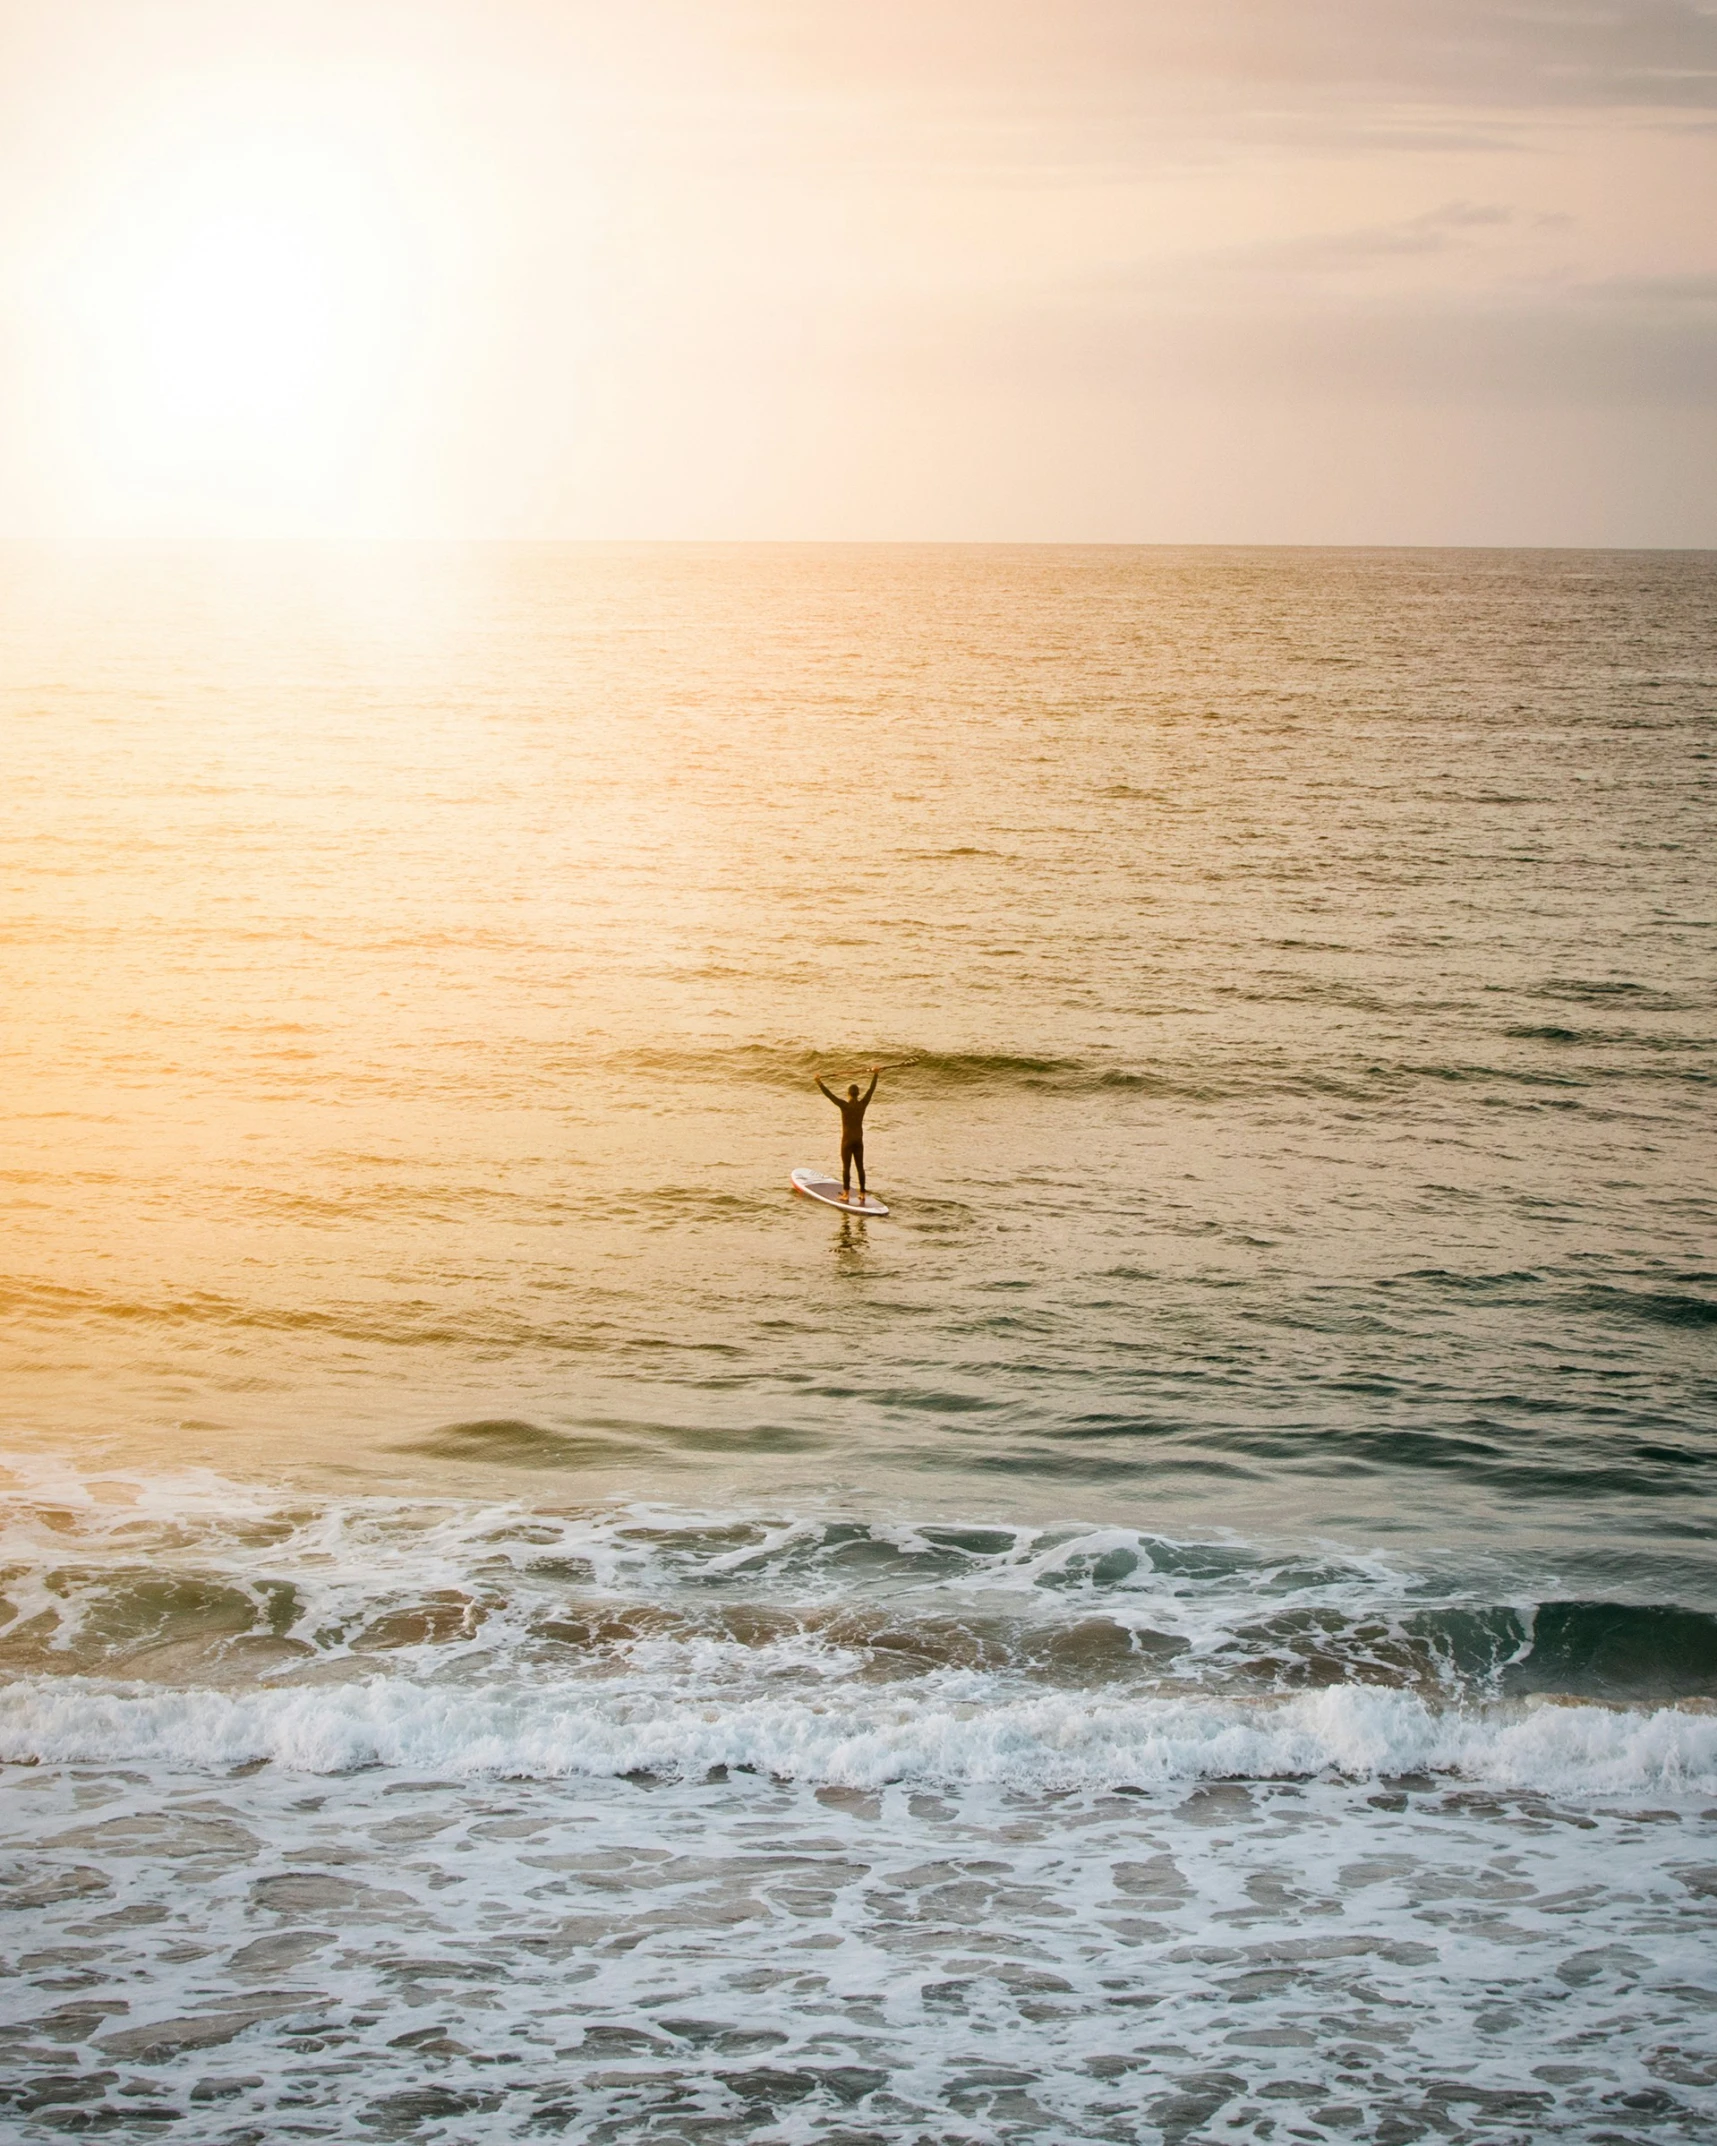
852 1107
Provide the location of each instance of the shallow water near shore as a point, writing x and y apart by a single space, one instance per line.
1203 1623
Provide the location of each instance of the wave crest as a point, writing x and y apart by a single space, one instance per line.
1051 1742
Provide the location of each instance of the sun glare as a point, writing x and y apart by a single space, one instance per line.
239 328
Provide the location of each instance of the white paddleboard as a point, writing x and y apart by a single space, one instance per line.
819 1185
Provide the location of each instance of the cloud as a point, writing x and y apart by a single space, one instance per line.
1474 53
1448 229
1661 293
1478 54
1647 342
1006 91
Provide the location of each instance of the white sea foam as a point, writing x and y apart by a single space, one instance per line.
753 1957
348 1559
1053 1741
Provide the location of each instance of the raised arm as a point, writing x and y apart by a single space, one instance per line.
829 1092
875 1076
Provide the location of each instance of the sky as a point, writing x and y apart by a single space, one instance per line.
1232 271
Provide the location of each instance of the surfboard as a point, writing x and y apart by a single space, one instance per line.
819 1185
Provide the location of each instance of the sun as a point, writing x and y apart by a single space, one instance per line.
239 322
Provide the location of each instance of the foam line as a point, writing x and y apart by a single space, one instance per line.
1054 1742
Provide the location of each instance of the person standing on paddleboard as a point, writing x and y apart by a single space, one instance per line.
852 1107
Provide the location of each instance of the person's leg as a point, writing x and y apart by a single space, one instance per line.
847 1168
858 1157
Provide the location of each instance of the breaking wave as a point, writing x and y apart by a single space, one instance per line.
1044 1742
186 1620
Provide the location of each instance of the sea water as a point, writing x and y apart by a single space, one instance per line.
1202 1625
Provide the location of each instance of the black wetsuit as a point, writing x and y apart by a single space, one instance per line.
852 1110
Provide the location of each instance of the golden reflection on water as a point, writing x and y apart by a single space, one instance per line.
418 960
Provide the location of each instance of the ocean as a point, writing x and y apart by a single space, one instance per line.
1202 1625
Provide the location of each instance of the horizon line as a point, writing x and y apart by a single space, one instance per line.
89 539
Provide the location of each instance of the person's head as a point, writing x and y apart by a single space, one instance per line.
852 1090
